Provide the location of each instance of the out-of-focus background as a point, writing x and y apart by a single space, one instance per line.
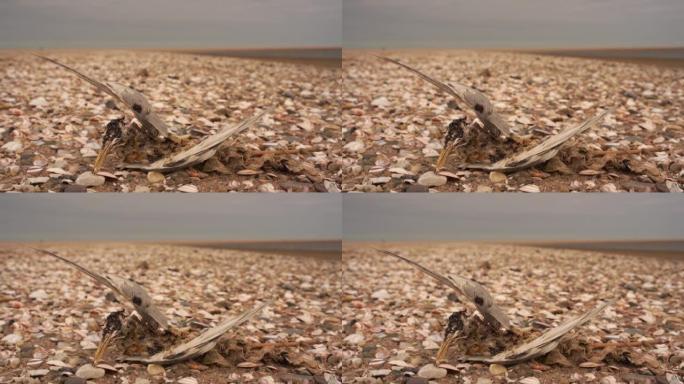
608 28
644 224
288 223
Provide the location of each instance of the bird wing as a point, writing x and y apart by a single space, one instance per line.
555 141
142 109
198 153
200 344
542 344
141 300
471 289
470 96
483 300
540 153
127 289
97 277
100 86
131 98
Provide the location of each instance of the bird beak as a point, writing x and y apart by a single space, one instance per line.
444 154
102 347
443 351
102 155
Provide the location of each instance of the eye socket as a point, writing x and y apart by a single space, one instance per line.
137 108
479 108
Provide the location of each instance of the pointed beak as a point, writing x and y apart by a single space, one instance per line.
102 347
102 155
444 155
443 352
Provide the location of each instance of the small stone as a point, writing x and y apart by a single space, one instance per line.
141 189
188 380
380 372
354 146
38 180
380 180
155 370
89 372
429 371
12 339
497 370
13 146
266 380
155 177
483 380
497 177
380 102
268 187
380 295
483 188
188 188
430 179
417 380
38 102
88 179
610 187
354 338
530 188
529 380
38 372
608 380
38 295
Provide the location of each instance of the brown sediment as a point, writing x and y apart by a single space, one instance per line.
395 315
393 122
58 314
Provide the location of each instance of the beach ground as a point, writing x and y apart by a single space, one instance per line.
51 122
393 122
51 314
394 315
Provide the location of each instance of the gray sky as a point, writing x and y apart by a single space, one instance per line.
170 23
120 217
517 217
513 24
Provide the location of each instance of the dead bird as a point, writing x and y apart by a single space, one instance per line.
140 334
476 294
496 126
131 292
132 99
133 138
541 152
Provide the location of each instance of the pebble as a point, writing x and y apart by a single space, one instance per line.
13 146
530 188
155 177
38 295
38 180
266 380
38 372
141 380
380 372
380 180
155 370
188 188
529 380
429 371
38 102
354 338
12 339
497 177
381 294
430 179
354 146
88 179
187 380
89 372
380 102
